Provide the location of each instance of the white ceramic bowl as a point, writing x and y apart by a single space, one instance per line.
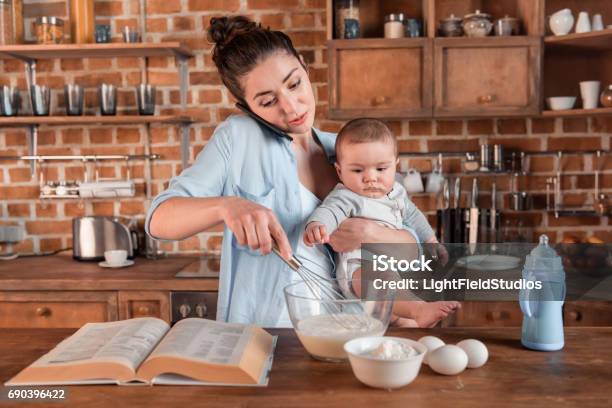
561 102
378 372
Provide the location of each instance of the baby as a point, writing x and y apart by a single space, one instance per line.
366 159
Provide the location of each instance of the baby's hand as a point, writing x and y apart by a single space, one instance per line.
315 234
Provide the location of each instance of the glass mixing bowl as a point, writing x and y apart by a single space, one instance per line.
324 324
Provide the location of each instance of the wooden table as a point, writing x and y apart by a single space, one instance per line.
578 376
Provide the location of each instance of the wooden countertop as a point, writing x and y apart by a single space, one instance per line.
579 375
61 272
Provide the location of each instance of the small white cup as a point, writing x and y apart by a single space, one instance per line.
115 257
583 25
589 91
413 183
597 23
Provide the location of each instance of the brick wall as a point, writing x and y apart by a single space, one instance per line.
48 222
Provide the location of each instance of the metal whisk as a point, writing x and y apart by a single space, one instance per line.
324 289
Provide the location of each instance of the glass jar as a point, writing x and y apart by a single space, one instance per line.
49 30
7 35
606 97
82 24
347 19
394 25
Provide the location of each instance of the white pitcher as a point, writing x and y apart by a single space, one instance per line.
561 22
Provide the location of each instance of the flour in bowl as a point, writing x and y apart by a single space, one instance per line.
391 350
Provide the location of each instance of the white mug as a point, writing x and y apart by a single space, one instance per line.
413 183
115 257
435 180
583 25
589 91
597 23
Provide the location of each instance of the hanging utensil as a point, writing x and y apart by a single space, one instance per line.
457 213
446 213
474 212
494 215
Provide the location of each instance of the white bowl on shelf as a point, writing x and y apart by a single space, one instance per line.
561 102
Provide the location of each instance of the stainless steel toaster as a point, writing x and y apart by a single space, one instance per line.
91 236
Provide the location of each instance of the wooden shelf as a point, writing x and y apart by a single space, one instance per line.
14 121
65 51
577 112
595 40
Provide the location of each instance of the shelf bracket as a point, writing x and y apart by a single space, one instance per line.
33 147
183 78
184 145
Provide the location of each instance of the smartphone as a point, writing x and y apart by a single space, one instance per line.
278 131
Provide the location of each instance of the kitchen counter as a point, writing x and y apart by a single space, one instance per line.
61 272
579 375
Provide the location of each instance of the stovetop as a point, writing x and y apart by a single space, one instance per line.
205 267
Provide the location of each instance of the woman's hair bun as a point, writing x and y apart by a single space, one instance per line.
222 30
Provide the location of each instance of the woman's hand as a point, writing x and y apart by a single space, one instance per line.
255 225
351 233
355 231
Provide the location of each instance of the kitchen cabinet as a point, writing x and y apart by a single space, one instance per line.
144 304
61 309
487 76
59 292
378 78
587 313
470 77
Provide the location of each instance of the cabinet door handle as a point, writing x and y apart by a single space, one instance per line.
575 315
486 99
497 315
380 100
43 311
144 310
201 310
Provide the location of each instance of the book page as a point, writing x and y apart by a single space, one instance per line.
203 339
127 342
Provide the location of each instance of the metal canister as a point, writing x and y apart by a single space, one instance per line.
498 158
485 157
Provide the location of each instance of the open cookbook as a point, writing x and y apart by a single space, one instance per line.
147 351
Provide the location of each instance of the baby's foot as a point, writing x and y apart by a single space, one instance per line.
431 313
397 321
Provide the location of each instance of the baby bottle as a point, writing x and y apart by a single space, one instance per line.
542 308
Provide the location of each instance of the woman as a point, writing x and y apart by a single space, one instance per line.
261 175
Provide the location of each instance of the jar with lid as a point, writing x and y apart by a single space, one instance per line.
451 26
7 35
477 24
394 25
347 19
49 30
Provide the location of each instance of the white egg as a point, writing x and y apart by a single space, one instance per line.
448 360
476 351
432 343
